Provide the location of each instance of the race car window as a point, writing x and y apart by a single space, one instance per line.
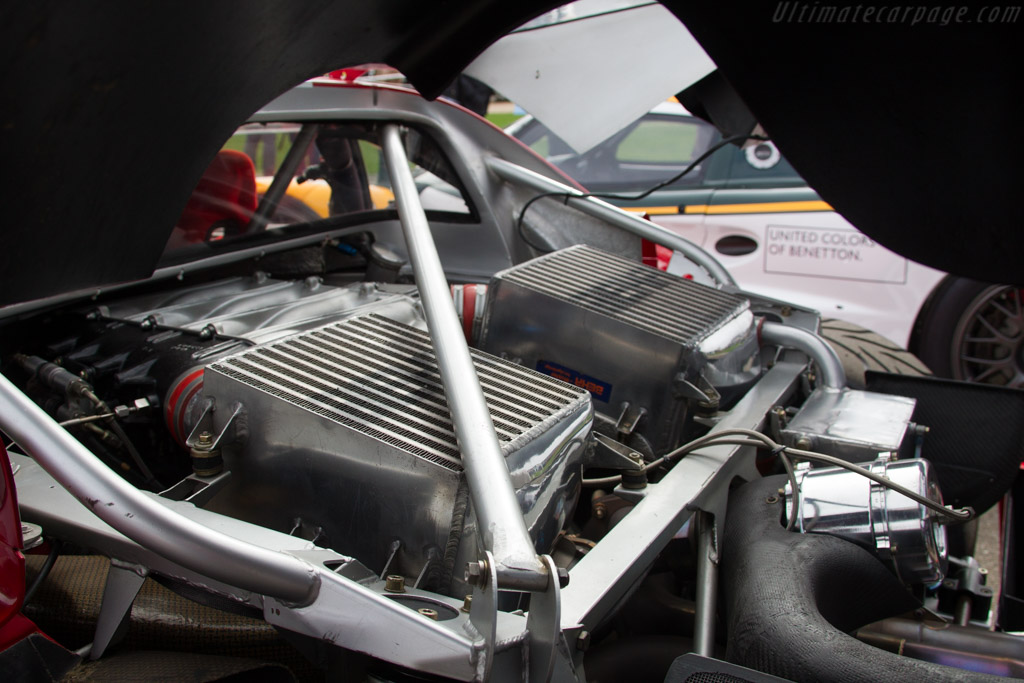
658 141
321 171
649 151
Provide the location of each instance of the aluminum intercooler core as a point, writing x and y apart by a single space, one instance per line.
626 332
350 439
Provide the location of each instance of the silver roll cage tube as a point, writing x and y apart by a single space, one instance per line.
504 531
145 520
592 206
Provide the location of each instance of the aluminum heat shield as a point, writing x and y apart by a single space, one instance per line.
350 441
626 332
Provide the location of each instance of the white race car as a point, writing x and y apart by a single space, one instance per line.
776 236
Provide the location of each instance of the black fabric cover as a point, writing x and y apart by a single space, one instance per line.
976 437
791 599
36 659
693 668
904 123
110 111
67 607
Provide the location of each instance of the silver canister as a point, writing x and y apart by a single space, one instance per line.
903 533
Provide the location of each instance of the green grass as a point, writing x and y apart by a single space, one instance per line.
503 119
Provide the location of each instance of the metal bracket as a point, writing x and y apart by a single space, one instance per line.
701 391
197 490
124 581
628 419
483 615
433 560
613 455
777 420
393 549
205 424
544 623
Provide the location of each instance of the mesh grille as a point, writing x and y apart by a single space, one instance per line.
629 292
380 377
715 677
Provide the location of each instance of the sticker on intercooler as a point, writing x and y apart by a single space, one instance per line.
602 391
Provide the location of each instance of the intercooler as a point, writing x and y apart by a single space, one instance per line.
349 441
628 333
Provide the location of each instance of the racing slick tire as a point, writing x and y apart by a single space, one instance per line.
861 350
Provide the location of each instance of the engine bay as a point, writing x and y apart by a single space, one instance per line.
317 410
585 463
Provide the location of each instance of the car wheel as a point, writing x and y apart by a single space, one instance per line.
861 350
974 331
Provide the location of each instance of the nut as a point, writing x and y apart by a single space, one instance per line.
478 573
563 577
394 583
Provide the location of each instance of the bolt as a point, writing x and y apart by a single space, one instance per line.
208 332
982 570
428 613
467 603
148 323
394 583
478 573
637 459
786 311
803 443
205 441
563 577
600 511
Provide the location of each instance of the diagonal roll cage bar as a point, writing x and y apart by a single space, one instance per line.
504 530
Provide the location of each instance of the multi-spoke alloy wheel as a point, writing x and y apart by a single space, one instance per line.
988 342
